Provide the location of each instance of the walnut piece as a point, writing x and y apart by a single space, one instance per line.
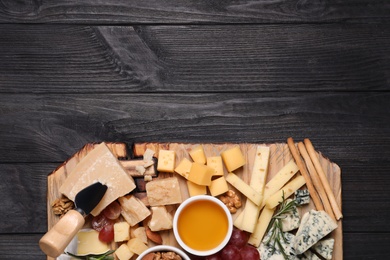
166 256
61 206
231 200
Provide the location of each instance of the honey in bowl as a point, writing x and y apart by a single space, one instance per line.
203 225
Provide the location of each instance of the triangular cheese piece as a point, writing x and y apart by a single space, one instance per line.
314 226
99 165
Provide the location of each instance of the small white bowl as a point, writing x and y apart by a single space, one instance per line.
163 248
217 203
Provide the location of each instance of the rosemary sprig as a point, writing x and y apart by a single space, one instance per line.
105 256
276 227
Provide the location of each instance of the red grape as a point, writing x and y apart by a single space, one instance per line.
239 238
107 233
99 221
112 211
230 252
249 253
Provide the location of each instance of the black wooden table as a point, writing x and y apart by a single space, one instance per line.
75 72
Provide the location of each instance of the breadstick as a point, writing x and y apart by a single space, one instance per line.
316 180
302 169
324 180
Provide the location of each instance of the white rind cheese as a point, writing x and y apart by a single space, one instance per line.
314 226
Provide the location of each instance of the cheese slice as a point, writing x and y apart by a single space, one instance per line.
99 165
244 188
261 227
257 182
285 192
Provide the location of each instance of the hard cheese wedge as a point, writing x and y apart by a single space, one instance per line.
99 165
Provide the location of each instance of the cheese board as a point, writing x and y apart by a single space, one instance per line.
280 155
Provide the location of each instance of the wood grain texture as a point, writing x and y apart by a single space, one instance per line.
50 128
181 59
357 246
148 11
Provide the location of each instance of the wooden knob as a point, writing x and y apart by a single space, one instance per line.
54 242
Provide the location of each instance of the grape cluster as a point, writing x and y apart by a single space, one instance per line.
237 248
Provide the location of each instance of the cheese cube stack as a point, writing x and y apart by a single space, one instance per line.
201 174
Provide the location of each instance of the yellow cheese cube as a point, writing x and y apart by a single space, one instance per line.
121 231
123 252
88 243
195 189
233 158
197 154
184 167
218 186
215 162
136 245
140 232
166 161
200 174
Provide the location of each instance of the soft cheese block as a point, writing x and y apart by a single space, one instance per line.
163 192
99 165
233 158
88 243
166 161
195 189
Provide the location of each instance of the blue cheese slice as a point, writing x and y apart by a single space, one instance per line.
308 255
314 226
324 248
268 252
290 220
302 197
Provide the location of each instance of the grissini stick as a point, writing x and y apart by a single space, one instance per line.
324 180
302 168
316 180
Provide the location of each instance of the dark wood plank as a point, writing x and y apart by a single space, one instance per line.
220 58
370 246
121 11
50 128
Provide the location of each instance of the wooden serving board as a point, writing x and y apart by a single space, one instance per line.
279 156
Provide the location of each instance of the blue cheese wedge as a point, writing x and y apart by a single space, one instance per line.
308 255
302 197
314 226
268 252
290 220
324 248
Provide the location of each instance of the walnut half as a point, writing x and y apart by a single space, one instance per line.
61 206
231 200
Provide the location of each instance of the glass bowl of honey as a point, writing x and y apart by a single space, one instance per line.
202 225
